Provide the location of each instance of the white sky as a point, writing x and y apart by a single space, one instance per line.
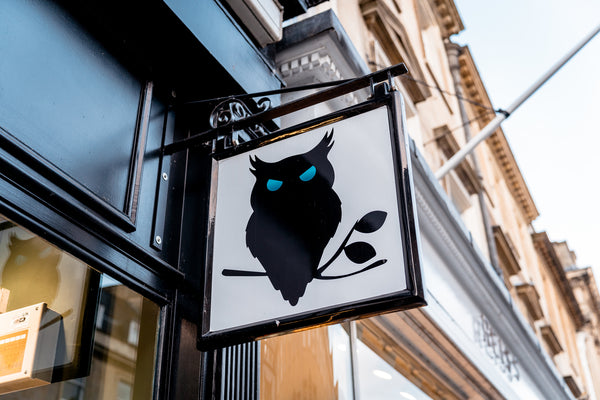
555 135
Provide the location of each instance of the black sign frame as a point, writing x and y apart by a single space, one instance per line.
411 297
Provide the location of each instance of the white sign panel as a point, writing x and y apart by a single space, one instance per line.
310 223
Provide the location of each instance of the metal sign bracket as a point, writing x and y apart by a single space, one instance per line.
231 119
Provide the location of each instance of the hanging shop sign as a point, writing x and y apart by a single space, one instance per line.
312 225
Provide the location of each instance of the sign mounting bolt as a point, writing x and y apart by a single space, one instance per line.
165 176
158 240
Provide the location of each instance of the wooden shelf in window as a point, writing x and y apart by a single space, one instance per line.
530 297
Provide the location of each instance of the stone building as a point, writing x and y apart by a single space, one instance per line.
585 290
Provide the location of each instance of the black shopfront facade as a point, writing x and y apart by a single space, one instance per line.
89 94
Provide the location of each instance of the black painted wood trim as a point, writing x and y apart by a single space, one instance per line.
38 193
56 176
138 151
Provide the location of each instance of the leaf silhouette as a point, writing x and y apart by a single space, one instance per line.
359 252
371 222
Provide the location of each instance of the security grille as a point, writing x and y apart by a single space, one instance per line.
240 372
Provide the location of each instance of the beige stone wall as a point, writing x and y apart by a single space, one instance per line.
585 290
416 32
592 349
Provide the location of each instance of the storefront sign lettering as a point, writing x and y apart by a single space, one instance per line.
495 348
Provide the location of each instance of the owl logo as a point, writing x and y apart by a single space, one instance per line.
295 214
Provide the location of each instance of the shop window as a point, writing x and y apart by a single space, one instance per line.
92 337
313 364
379 380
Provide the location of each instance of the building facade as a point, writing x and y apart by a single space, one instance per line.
110 231
585 291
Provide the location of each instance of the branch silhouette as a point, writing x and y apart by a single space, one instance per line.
239 272
369 223
371 266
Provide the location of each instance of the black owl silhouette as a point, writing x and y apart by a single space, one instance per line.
295 214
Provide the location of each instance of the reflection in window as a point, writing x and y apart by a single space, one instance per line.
314 364
105 331
124 391
379 380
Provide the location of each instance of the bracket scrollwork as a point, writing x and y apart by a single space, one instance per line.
233 110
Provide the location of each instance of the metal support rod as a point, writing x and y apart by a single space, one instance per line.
353 336
490 128
312 86
346 87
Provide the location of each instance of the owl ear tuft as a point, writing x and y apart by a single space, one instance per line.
257 164
326 143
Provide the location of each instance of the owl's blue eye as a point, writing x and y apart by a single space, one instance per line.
308 174
274 184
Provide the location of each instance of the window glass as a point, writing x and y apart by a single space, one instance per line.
314 364
379 380
339 346
92 335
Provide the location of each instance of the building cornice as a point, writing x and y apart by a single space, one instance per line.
585 277
546 249
475 91
447 16
318 49
319 63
